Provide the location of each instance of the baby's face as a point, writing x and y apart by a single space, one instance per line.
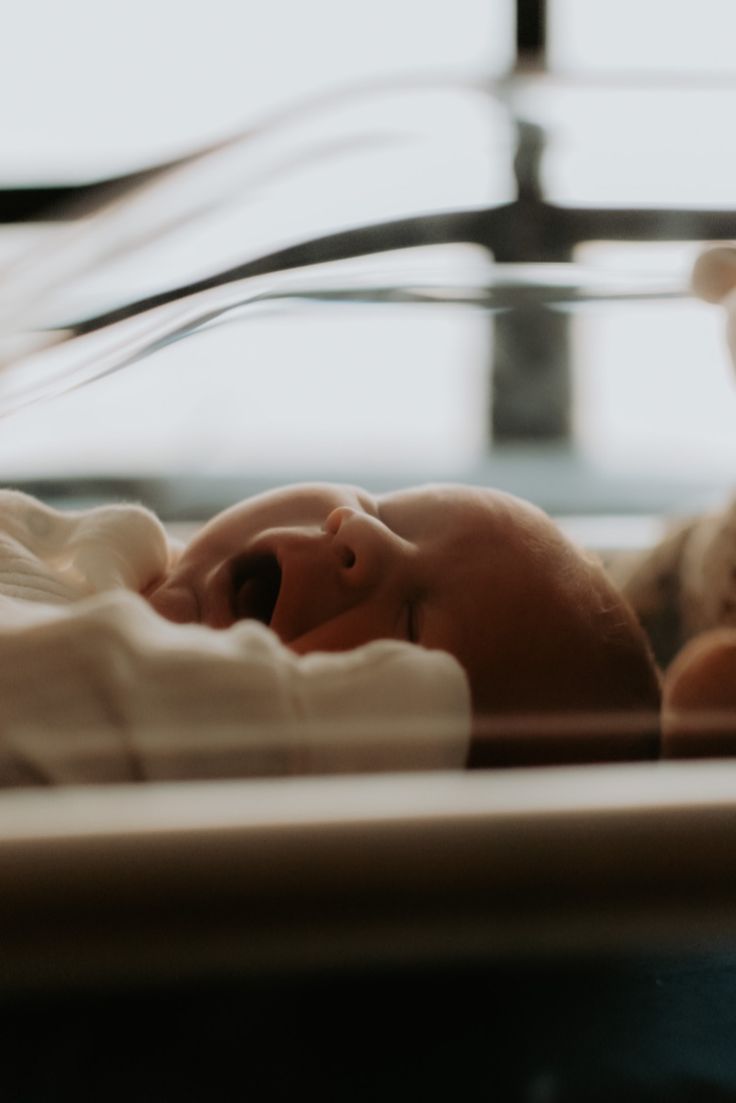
464 570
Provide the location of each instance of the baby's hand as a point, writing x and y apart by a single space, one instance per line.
699 698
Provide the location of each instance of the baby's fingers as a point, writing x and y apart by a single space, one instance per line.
699 698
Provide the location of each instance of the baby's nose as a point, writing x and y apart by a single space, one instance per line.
361 544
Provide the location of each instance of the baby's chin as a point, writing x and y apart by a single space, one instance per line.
176 603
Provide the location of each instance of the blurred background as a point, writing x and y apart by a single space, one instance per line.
559 165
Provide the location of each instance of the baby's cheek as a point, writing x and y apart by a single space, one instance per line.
347 630
327 637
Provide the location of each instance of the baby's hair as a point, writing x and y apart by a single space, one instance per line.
635 678
590 694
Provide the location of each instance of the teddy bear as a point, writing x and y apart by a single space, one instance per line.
684 590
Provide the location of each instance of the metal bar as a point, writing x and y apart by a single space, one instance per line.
531 31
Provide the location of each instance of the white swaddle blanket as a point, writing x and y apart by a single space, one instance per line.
96 687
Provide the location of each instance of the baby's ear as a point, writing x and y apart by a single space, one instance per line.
699 698
714 273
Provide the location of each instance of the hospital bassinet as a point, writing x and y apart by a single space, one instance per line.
366 934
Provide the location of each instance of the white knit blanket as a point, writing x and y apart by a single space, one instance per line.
96 687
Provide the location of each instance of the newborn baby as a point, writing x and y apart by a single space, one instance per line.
545 639
311 629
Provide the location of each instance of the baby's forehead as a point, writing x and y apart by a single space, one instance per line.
502 543
441 499
475 514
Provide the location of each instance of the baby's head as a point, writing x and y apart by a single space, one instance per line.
534 622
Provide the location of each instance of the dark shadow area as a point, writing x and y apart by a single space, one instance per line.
647 1029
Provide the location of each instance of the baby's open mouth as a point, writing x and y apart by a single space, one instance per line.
256 585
